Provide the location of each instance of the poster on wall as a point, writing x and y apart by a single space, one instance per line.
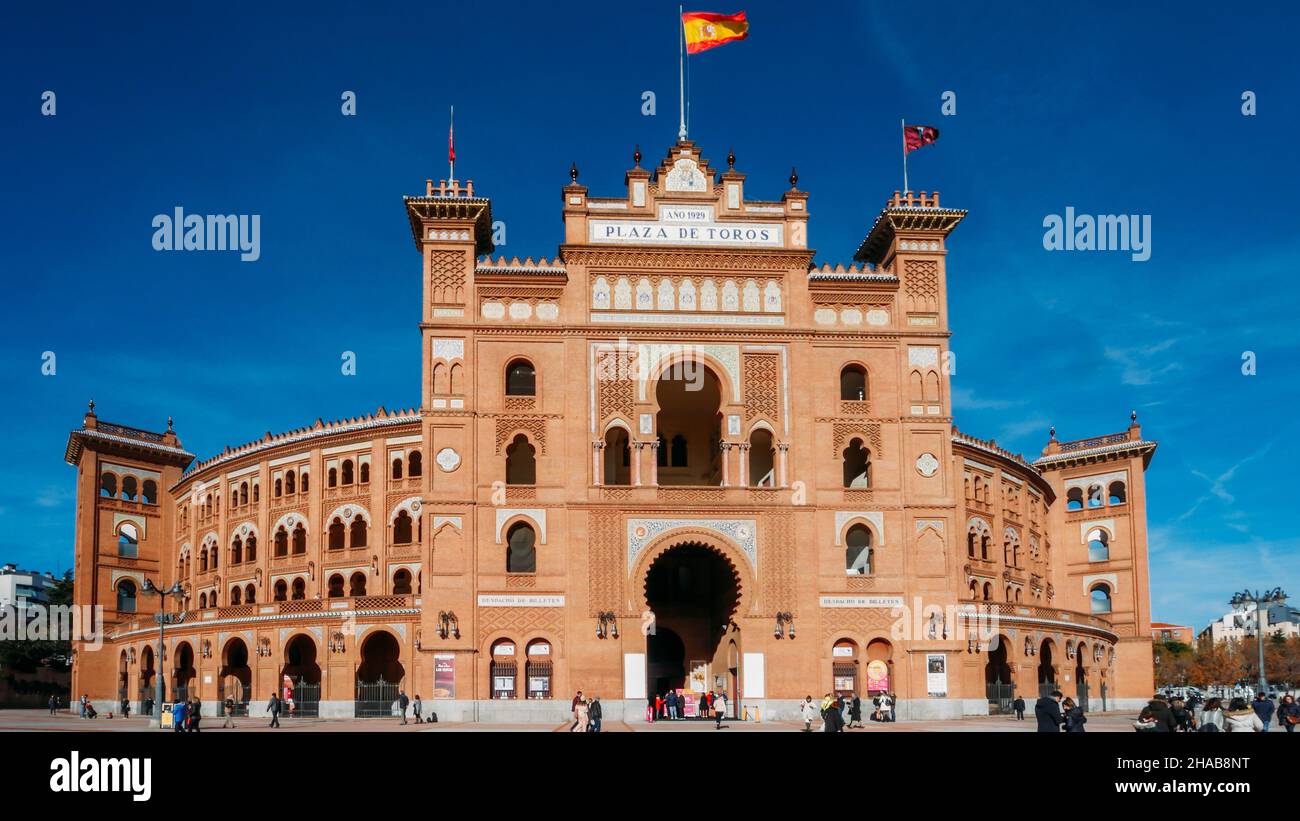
690 706
877 676
444 675
936 675
699 676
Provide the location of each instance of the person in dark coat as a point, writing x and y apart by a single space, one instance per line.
1048 712
1183 718
1263 707
1074 717
594 714
1164 716
273 707
855 711
1019 706
832 719
1288 713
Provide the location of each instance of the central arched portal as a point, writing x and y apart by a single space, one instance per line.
694 593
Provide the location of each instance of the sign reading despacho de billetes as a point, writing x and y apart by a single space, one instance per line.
686 225
505 600
862 601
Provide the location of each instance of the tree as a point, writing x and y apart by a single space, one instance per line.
1216 664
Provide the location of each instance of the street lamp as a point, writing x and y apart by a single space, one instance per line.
1260 600
163 618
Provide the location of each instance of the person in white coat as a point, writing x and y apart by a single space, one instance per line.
808 711
1241 718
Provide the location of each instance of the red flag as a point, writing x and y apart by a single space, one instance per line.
705 30
451 142
916 136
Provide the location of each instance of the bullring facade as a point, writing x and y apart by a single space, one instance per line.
678 455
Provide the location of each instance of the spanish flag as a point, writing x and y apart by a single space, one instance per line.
704 30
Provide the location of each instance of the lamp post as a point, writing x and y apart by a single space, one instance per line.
163 618
1260 600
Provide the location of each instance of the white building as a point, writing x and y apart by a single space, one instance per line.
17 586
1240 623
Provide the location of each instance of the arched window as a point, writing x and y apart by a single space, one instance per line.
203 560
762 459
397 467
970 544
215 555
857 465
857 553
853 383
281 542
416 464
299 540
126 596
521 555
521 379
234 497
129 488
1117 494
203 601
1094 496
357 584
984 547
281 590
988 591
289 482
357 532
243 493
1100 595
1074 499
279 488
250 548
299 589
128 541
149 495
1098 545
336 586
250 594
978 484
333 480
306 481
616 457
521 462
336 534
257 492
236 595
347 472
365 473
974 590
402 528
108 485
236 551
402 582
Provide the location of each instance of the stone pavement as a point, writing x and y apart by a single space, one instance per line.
39 720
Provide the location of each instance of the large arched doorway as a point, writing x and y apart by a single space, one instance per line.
689 424
235 679
1081 676
146 679
303 673
123 677
1046 668
998 685
379 676
183 672
694 593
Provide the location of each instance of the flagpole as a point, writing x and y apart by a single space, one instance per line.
451 145
903 133
681 75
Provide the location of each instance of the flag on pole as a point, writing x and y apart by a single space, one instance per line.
916 136
705 30
451 137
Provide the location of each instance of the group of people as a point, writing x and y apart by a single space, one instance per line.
587 714
671 706
840 712
1055 713
1196 715
187 716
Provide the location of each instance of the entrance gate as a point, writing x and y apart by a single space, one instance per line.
232 687
1083 694
376 699
306 700
1001 697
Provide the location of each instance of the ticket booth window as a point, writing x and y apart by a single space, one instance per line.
504 672
844 668
538 670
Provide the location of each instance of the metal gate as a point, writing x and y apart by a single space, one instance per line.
233 688
376 699
306 701
1103 696
1046 688
1001 697
1083 694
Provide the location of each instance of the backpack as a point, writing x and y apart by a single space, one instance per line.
1209 728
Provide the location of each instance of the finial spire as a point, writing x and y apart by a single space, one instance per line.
636 155
1133 416
92 406
1051 434
794 177
573 173
169 425
731 159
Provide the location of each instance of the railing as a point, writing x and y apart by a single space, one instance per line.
1095 442
380 602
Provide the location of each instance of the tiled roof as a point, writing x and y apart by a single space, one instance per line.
1100 450
72 454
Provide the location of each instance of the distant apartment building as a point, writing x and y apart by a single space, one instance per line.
24 587
1162 631
1240 623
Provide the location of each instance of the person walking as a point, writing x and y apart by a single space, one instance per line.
808 712
85 699
673 714
178 717
1184 720
1160 709
195 714
417 707
148 706
886 707
855 711
1074 717
54 704
719 709
1241 718
1047 710
1212 717
706 701
831 715
1288 713
1264 707
584 716
594 713
403 703
1019 706
273 707
229 706
573 708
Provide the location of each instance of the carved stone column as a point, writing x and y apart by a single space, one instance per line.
654 462
781 448
726 460
743 479
636 463
597 447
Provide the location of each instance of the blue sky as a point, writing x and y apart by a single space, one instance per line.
1104 107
